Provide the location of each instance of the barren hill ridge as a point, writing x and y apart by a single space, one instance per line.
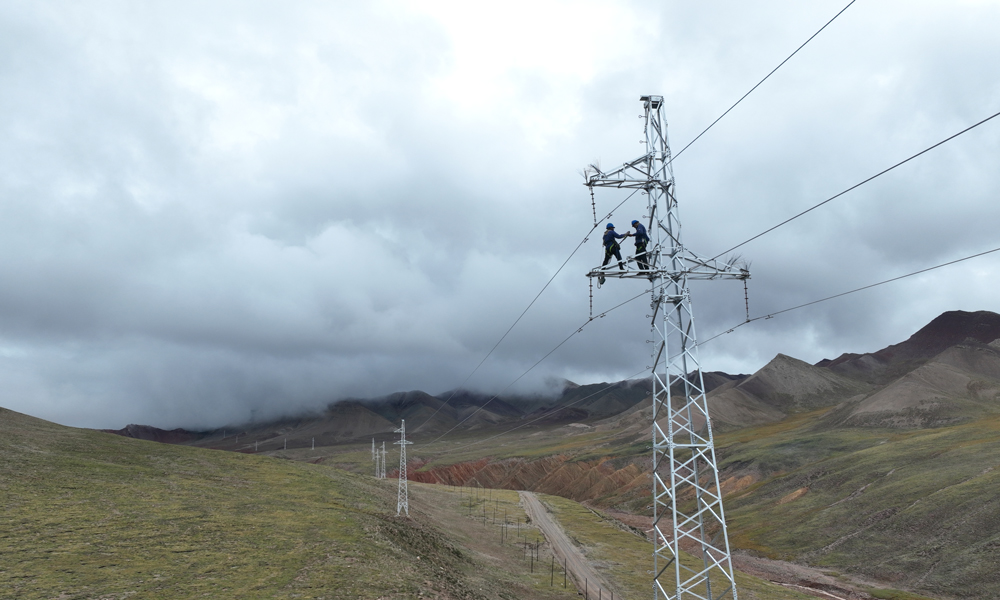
899 386
783 386
947 330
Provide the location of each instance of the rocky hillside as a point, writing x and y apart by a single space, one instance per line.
782 387
946 373
948 330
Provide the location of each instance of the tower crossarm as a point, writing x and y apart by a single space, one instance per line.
638 174
686 264
697 267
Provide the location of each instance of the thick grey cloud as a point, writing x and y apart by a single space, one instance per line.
208 210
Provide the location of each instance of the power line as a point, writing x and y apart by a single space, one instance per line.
518 320
539 361
586 237
857 185
763 80
730 330
774 314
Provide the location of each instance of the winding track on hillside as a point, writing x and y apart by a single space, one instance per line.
577 565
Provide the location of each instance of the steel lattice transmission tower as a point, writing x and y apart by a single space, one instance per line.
403 500
381 473
687 498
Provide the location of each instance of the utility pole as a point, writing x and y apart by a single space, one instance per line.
403 498
684 465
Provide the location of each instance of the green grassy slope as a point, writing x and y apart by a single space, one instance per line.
93 515
89 514
916 508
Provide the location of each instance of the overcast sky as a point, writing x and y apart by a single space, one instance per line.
213 208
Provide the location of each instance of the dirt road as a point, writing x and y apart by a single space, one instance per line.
586 578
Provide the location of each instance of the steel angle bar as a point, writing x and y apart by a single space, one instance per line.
659 353
715 563
665 546
714 514
670 235
683 469
661 406
666 566
691 593
695 578
627 183
665 593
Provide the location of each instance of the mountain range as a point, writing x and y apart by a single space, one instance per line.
945 373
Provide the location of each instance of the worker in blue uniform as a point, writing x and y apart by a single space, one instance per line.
611 246
641 240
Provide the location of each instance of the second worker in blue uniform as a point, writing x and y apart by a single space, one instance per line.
641 239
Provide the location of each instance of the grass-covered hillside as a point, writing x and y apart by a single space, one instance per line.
93 515
915 509
90 515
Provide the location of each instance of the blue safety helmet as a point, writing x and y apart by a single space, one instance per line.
634 221
610 226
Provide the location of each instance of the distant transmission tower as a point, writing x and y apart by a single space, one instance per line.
403 501
382 462
379 474
687 499
375 458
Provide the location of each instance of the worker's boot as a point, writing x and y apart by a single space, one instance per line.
621 266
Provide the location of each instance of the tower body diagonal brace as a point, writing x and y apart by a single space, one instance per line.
691 556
